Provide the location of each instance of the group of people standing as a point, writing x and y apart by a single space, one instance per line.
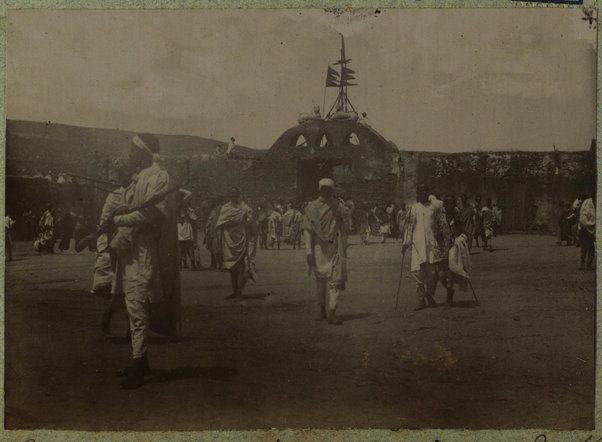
274 223
487 221
278 225
438 233
387 221
57 225
230 234
234 230
383 220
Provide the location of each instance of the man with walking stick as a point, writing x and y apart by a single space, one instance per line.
427 234
402 229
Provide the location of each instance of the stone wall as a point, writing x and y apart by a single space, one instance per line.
529 185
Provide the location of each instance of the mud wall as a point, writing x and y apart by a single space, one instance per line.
528 185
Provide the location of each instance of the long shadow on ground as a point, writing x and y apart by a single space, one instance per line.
353 316
190 372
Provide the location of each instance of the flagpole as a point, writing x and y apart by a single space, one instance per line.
325 87
343 93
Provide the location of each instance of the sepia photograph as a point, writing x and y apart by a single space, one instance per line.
300 219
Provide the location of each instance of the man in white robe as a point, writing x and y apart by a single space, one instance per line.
425 233
139 255
325 240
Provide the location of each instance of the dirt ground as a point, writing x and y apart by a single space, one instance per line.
523 359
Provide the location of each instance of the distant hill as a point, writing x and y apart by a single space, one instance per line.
34 146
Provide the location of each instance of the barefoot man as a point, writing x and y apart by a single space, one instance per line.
235 229
326 244
425 235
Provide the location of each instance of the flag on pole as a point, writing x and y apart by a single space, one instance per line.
332 78
346 75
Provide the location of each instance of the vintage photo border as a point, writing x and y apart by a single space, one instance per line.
539 435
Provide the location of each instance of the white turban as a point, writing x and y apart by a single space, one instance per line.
326 182
137 141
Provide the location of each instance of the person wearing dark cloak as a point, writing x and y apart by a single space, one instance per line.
67 225
465 221
262 220
211 239
478 221
568 218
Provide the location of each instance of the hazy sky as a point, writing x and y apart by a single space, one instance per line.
445 80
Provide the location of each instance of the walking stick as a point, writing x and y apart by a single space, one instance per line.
467 279
473 292
399 284
403 232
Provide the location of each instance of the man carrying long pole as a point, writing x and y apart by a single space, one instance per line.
139 252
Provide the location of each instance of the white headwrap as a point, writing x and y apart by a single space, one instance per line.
141 145
326 182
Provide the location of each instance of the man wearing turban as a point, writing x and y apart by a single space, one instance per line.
138 250
325 239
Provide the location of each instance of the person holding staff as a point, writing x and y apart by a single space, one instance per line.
426 234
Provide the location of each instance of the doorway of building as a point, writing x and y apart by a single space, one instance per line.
310 172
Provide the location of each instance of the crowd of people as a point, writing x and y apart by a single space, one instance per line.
387 221
436 233
279 224
53 230
274 224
